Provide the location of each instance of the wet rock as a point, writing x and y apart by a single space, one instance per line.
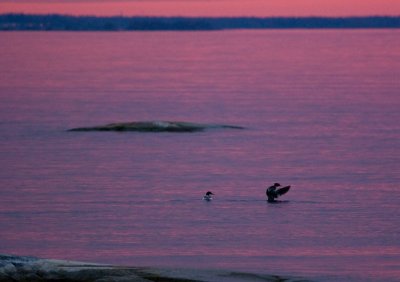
9 269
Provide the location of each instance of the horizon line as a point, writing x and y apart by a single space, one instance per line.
203 17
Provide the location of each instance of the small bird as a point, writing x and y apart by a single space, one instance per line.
273 193
207 196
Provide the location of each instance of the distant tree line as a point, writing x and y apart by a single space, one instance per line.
92 23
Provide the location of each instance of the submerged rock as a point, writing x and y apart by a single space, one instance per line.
156 126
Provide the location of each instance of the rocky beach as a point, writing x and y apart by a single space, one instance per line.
24 269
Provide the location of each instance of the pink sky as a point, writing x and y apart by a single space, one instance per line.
205 7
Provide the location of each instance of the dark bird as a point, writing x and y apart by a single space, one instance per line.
208 196
273 193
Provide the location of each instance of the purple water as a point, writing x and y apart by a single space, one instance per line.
321 111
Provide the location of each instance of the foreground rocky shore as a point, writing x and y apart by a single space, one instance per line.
24 269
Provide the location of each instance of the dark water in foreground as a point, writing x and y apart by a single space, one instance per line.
321 110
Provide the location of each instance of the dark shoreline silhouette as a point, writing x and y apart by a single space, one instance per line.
156 126
120 23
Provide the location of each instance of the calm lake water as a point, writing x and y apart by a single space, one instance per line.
321 110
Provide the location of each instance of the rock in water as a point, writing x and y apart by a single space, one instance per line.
156 126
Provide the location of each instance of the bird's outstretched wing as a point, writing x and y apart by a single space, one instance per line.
282 190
